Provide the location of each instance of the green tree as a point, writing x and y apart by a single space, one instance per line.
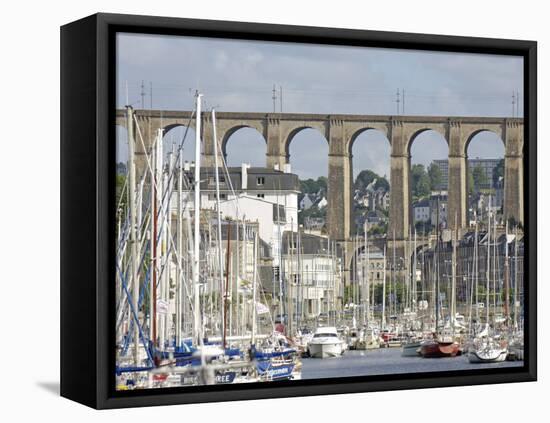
436 176
470 182
378 229
364 178
420 181
383 183
313 186
498 172
391 288
480 177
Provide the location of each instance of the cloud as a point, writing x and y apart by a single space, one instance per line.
239 76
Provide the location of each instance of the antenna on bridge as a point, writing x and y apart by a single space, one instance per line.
274 98
151 94
513 104
127 101
397 100
142 95
281 97
403 103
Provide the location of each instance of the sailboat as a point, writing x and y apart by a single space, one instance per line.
442 343
485 348
413 342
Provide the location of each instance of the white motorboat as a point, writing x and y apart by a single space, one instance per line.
326 343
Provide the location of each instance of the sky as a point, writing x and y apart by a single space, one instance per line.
237 75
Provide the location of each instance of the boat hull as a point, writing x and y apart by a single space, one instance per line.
439 349
325 350
484 356
411 349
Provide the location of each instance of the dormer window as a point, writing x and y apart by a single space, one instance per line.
260 180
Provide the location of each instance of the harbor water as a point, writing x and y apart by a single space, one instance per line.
387 361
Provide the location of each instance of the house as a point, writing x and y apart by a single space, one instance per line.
374 218
306 202
438 208
421 211
371 265
373 199
321 203
263 195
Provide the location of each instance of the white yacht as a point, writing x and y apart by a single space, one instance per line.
326 343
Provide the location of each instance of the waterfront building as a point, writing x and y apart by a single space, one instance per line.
312 271
266 196
372 265
421 211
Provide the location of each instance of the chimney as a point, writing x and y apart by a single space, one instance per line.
244 176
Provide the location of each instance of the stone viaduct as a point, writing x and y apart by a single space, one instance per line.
340 131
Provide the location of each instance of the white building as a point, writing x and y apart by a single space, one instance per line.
371 266
422 211
319 288
266 196
322 203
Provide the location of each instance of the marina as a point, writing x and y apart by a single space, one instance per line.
212 291
388 361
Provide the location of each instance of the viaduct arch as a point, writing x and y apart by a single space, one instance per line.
340 131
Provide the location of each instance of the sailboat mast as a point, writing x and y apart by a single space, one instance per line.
179 255
133 236
393 284
254 289
226 290
454 241
366 276
219 219
153 250
506 280
436 264
384 293
413 277
476 271
488 266
516 279
196 239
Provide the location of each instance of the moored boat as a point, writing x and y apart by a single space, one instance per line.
326 343
411 348
438 348
487 350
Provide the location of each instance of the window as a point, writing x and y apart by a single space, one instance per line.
212 180
260 181
260 195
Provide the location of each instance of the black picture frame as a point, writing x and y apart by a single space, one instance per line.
87 215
